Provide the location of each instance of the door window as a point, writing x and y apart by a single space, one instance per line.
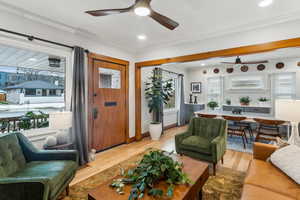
109 78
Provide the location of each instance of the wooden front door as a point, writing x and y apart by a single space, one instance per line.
109 105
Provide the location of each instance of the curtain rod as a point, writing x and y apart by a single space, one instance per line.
171 72
31 38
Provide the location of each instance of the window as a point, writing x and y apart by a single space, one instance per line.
30 81
173 100
109 78
214 90
285 86
30 92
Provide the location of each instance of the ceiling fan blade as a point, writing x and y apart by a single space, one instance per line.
163 20
256 62
232 63
98 13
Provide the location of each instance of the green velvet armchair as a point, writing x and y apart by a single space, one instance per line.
205 140
30 174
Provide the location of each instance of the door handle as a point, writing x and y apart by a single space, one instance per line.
95 113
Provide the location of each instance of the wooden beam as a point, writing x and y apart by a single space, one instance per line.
251 49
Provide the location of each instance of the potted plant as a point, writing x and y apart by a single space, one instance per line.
262 101
157 93
212 105
228 102
245 101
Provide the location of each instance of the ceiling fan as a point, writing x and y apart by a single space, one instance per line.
141 8
238 60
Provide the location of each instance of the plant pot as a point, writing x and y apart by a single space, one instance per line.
245 104
155 131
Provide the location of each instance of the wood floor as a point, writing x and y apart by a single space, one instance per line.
104 160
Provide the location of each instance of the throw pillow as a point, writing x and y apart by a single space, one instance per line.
287 159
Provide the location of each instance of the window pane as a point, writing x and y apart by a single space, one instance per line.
33 85
109 78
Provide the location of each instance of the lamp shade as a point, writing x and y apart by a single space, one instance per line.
287 110
60 120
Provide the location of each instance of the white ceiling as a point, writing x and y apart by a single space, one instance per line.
198 19
273 55
12 58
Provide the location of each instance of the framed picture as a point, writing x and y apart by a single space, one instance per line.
196 87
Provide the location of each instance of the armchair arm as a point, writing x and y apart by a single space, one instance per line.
48 155
11 185
179 138
218 147
33 154
263 151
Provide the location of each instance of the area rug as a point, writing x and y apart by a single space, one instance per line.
227 184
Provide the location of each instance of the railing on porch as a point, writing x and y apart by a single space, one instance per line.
26 122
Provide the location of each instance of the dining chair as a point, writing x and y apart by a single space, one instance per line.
210 116
268 129
236 129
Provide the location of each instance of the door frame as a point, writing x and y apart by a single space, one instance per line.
125 64
237 51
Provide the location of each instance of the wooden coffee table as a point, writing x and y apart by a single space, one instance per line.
197 171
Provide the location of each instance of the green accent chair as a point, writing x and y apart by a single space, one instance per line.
27 173
205 140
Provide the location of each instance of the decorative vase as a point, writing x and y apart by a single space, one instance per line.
155 131
191 98
244 104
196 100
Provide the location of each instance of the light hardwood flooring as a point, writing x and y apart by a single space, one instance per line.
104 160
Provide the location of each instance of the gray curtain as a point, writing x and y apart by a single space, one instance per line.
79 105
181 113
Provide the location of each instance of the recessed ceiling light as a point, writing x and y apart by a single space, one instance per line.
202 64
265 3
142 37
142 11
32 59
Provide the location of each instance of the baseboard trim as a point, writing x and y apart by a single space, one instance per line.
147 134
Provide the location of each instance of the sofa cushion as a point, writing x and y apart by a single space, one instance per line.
11 156
196 143
264 174
56 171
251 192
287 159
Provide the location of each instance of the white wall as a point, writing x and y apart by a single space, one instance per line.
196 75
20 23
170 116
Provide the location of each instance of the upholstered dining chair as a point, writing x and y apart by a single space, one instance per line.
268 129
236 128
27 173
207 115
205 139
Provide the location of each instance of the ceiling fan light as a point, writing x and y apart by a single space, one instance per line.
142 11
265 3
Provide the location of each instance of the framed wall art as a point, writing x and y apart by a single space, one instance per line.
196 87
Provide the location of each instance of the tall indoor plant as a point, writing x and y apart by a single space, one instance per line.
157 93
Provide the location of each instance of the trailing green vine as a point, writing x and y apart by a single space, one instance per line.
154 167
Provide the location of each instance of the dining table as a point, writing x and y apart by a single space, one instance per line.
248 115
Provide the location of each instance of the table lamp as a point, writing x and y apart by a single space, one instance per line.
288 110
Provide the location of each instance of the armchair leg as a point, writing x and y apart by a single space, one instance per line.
214 168
222 160
68 190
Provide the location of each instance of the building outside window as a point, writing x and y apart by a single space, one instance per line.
30 85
